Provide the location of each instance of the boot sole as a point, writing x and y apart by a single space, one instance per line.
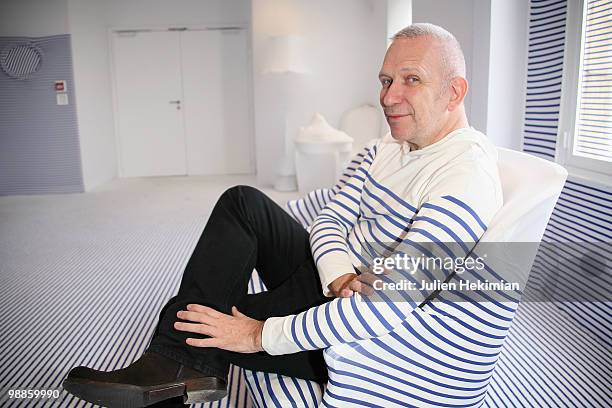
114 395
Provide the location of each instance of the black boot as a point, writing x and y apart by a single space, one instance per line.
150 379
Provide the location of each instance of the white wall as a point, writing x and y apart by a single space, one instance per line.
89 22
90 56
399 15
481 51
493 35
33 18
507 72
343 43
457 16
139 13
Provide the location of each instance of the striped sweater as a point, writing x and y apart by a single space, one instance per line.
392 352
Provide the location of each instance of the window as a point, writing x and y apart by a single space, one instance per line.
586 122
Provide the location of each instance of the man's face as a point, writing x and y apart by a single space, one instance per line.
412 94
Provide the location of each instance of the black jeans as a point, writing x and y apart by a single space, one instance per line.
246 230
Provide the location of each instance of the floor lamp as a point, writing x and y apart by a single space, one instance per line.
285 59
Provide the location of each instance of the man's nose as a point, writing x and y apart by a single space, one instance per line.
392 95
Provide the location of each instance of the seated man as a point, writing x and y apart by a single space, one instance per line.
433 179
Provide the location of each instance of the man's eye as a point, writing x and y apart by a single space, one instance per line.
412 80
385 82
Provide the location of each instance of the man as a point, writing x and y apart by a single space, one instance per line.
432 180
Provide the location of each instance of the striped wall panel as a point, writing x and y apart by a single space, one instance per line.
583 215
544 72
39 140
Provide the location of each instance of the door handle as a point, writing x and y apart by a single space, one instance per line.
177 102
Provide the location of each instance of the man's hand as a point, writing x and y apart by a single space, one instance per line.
340 286
235 332
348 284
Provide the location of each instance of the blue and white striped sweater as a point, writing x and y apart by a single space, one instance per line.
386 353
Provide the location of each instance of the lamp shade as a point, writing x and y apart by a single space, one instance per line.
285 55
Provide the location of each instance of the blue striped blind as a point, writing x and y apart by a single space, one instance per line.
594 116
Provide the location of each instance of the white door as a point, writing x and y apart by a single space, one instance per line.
148 89
216 91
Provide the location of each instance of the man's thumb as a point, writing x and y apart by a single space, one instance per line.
236 312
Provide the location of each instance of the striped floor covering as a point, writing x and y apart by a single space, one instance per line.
83 277
549 360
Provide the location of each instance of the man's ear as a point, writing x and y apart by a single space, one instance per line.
458 90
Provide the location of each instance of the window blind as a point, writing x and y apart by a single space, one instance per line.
594 117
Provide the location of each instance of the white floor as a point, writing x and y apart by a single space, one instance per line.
83 276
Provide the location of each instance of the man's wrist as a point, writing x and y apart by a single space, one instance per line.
259 335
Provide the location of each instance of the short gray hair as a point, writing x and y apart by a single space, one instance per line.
453 60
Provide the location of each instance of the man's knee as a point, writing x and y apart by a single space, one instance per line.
242 193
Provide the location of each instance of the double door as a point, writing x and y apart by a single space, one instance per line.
182 102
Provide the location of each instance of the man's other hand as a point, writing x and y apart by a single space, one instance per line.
343 286
340 286
236 332
348 284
